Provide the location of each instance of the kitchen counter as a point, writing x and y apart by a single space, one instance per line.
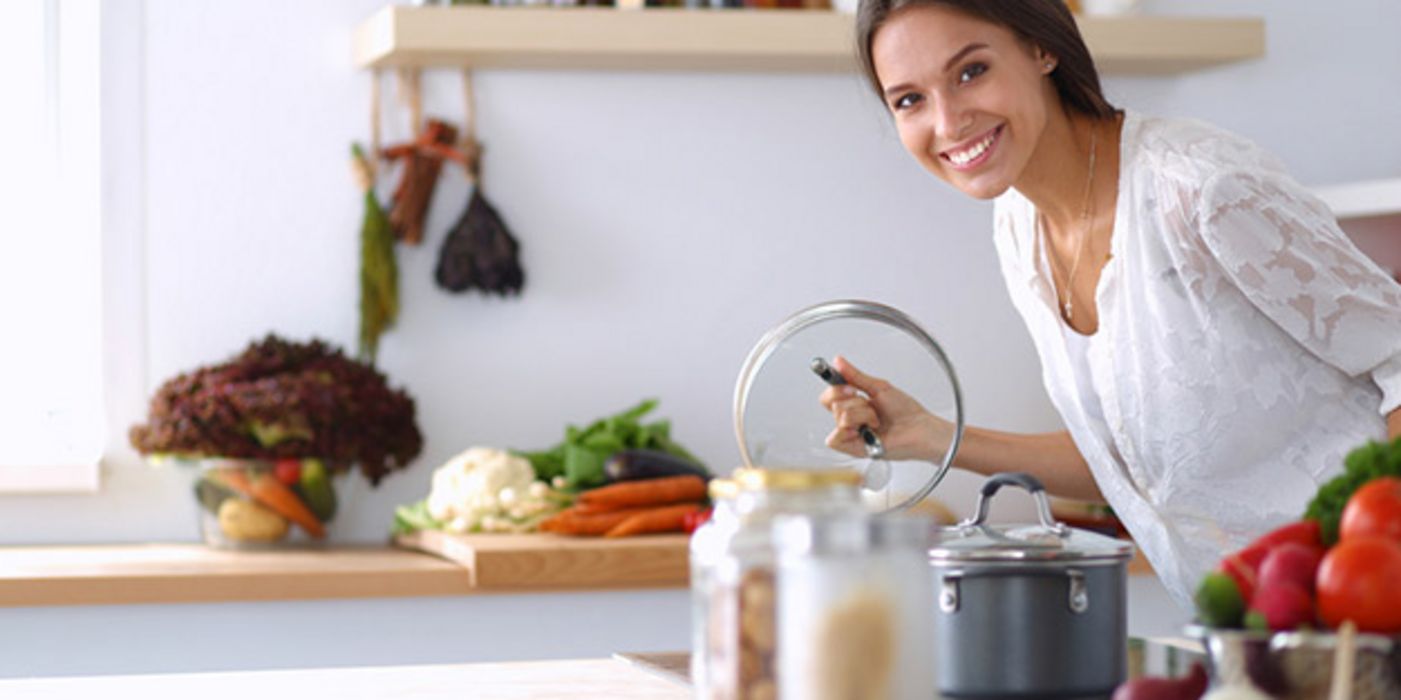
534 680
651 676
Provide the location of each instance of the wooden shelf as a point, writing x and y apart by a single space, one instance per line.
191 573
1359 200
739 40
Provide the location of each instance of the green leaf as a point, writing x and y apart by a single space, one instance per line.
413 518
583 467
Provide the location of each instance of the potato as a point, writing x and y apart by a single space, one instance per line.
246 521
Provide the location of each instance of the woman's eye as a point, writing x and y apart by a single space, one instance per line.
972 71
905 101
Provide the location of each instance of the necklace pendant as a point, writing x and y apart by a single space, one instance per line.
1069 311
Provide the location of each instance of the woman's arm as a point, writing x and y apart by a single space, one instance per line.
1051 457
1393 424
908 431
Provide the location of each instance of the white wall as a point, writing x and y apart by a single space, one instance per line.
667 221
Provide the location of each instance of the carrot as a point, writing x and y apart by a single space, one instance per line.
663 519
267 490
572 522
648 492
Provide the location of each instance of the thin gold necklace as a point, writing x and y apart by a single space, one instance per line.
1068 306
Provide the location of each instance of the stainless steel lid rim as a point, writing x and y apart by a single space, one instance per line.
1021 562
848 308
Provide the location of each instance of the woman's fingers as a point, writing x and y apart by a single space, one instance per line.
857 378
832 394
855 412
846 441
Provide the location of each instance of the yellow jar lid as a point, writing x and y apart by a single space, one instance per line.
721 489
756 479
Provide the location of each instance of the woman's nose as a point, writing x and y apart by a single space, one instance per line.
951 121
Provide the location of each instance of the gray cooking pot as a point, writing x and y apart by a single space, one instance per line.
1028 611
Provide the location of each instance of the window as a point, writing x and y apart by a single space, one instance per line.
51 258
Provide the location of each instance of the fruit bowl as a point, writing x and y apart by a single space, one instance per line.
1299 665
262 504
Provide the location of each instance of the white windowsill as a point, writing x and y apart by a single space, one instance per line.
74 478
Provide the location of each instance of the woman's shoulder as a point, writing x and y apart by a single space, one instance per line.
1191 150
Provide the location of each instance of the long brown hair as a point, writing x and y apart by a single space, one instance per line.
1047 24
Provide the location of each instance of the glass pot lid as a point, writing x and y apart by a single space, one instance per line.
780 422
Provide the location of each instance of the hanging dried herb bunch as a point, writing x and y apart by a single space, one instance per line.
479 251
379 271
285 399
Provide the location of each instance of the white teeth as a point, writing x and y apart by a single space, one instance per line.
972 153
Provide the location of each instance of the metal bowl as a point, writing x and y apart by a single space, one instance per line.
1299 665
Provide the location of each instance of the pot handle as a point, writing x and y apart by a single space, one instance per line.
1032 486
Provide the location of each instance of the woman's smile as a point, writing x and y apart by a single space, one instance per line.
973 153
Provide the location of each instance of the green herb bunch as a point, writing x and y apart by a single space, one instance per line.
1363 464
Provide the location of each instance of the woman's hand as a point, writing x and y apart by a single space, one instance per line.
906 429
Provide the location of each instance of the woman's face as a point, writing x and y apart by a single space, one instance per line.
968 97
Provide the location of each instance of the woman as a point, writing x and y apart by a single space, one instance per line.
1213 343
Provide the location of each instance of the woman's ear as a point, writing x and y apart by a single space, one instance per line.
1047 60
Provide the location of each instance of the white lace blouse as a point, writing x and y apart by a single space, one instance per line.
1244 344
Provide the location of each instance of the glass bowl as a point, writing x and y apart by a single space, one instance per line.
266 504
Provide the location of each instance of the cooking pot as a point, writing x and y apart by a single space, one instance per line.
1028 610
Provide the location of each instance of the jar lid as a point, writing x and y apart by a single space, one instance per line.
973 540
755 479
779 419
722 489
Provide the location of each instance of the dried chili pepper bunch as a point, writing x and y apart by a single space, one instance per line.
285 399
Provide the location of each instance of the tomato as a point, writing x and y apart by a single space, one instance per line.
1374 509
693 520
1244 568
288 471
1357 581
1303 532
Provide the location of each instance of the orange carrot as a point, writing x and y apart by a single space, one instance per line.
663 519
267 490
648 492
572 522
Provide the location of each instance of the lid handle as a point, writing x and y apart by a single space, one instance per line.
1032 486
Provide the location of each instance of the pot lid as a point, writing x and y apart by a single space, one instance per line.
780 422
973 540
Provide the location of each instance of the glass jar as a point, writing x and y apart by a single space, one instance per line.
262 504
854 597
732 573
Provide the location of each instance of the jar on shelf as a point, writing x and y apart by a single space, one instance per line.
854 594
734 627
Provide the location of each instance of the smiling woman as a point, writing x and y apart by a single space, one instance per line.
1213 342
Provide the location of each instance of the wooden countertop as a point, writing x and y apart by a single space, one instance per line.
532 680
194 573
445 565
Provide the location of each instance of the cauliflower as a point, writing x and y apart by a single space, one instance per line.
469 486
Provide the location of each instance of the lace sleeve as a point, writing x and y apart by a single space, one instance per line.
1283 249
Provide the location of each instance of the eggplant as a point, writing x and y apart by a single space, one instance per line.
637 463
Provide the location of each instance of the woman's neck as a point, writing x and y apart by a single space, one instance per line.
1058 180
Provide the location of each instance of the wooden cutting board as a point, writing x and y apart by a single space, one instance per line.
553 561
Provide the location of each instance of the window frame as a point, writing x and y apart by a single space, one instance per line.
112 172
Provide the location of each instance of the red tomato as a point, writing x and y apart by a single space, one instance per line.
1358 581
693 520
1374 509
1244 568
288 471
1303 532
